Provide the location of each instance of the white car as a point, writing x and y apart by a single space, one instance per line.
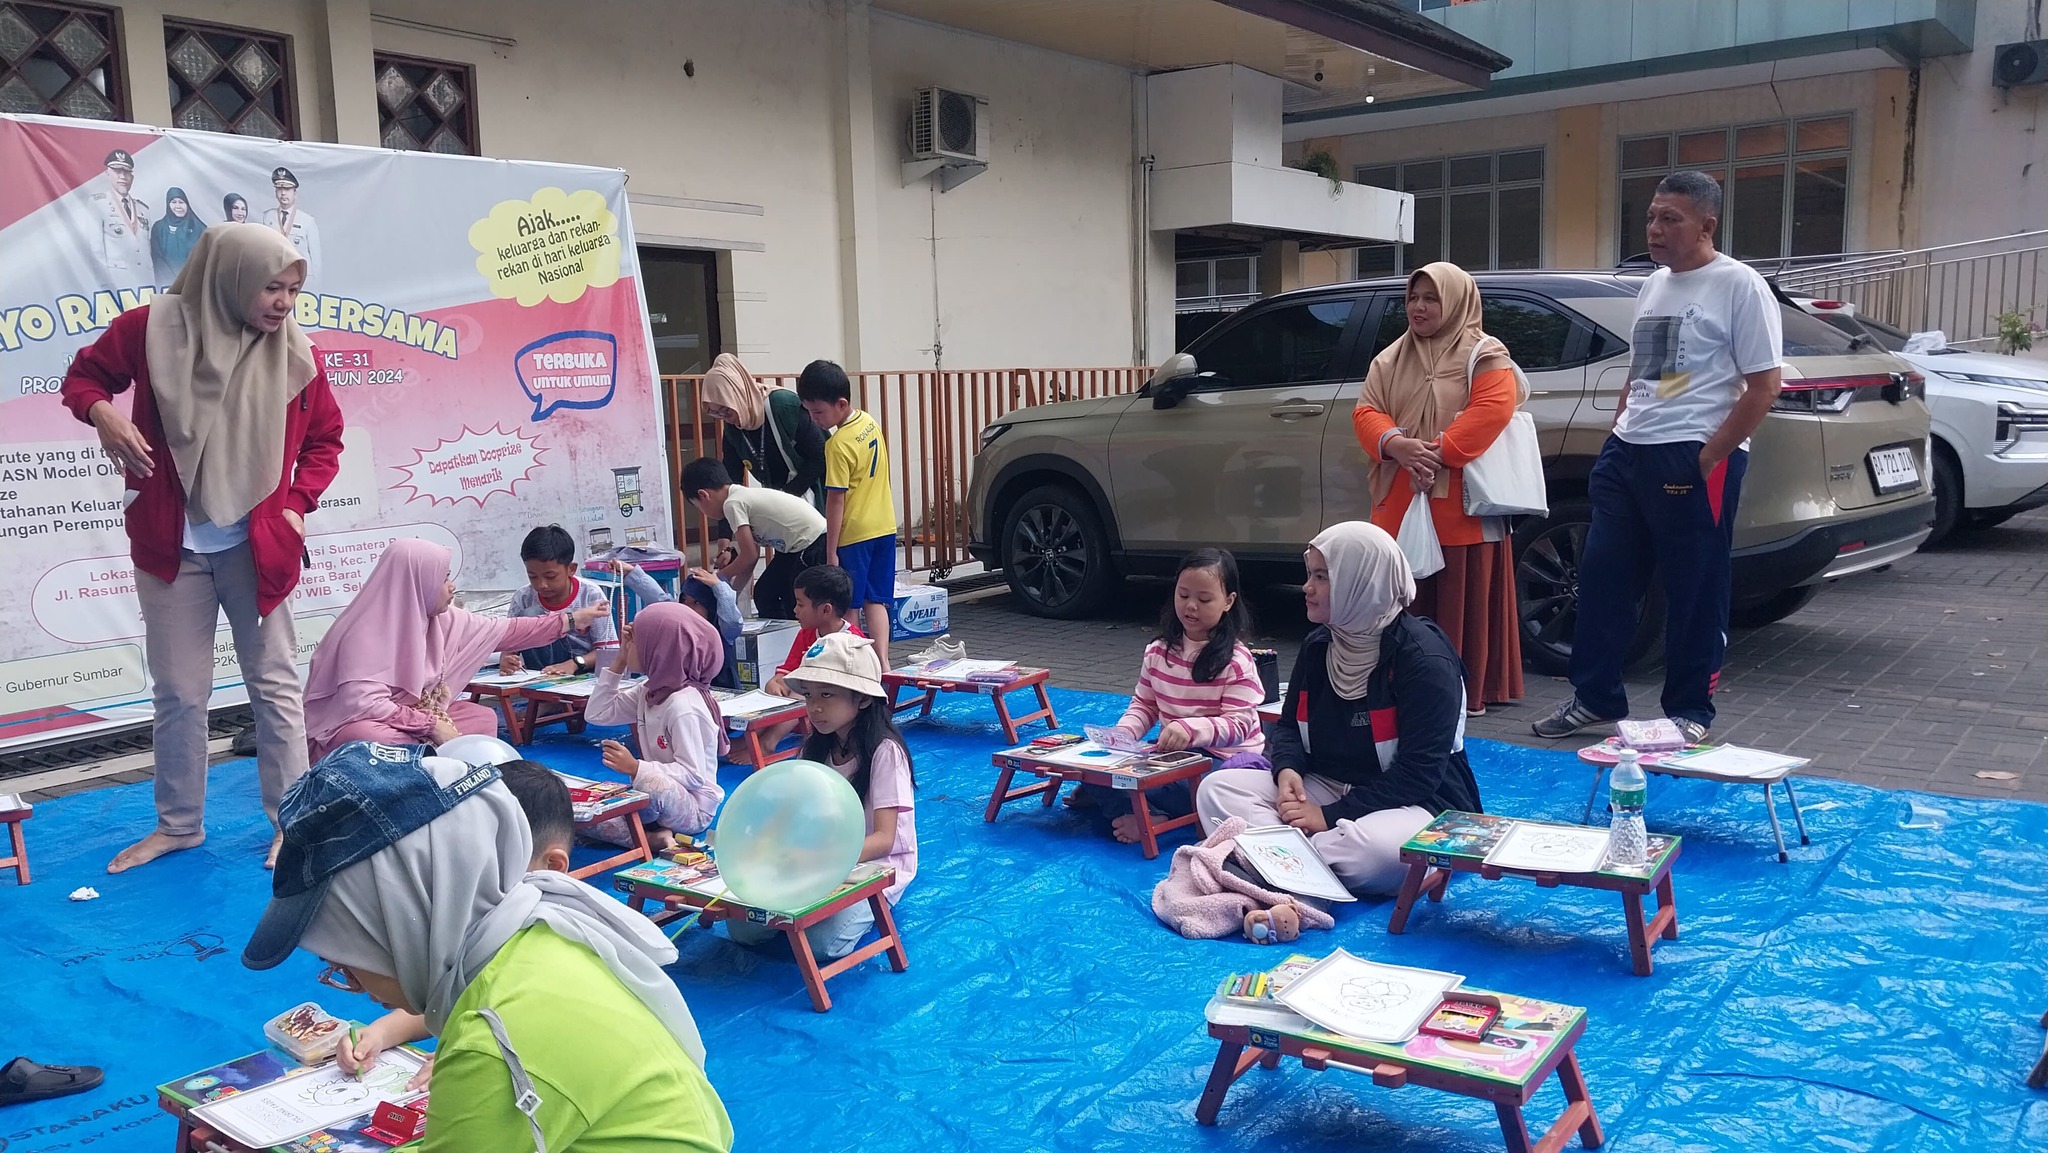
1990 423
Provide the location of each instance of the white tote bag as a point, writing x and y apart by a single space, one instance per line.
1417 537
1507 479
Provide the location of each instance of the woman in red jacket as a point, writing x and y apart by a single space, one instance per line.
235 435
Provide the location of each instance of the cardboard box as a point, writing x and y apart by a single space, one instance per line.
918 613
762 645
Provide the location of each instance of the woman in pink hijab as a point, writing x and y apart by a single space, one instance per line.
391 667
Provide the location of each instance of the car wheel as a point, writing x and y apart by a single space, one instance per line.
1948 495
1055 553
1548 552
1771 609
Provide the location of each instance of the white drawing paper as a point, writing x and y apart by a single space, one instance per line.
748 705
1736 761
1283 857
1536 847
321 1098
1354 997
1083 755
572 689
504 680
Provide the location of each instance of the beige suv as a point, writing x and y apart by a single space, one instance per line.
1251 448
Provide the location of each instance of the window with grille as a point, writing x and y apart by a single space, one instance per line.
230 80
1478 212
426 105
60 60
1784 185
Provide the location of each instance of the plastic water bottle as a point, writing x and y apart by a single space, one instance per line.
1626 788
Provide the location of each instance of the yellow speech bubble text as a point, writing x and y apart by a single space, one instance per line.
552 247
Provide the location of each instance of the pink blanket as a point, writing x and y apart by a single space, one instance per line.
1201 899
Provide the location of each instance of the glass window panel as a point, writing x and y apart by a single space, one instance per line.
1535 335
1429 233
1756 213
1698 149
1424 176
1288 345
227 80
1827 135
1636 192
1393 322
1760 140
1646 152
1820 198
1376 261
1233 275
1520 228
1378 176
1471 171
1521 165
1191 279
1470 230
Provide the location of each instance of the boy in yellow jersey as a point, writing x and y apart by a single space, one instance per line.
860 510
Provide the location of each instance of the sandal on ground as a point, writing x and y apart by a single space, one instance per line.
1277 925
22 1080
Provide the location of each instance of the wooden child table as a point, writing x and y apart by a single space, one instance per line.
1038 763
930 684
1603 755
180 1097
13 811
1530 1039
529 704
1458 843
746 730
693 885
625 804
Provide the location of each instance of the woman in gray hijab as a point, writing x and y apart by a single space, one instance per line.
407 875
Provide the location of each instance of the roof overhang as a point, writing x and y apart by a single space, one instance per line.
1254 203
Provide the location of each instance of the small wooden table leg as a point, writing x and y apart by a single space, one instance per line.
886 919
1513 1128
1638 934
1052 721
1002 793
20 842
1003 716
1411 888
807 964
1222 1075
1665 900
1574 1082
1148 837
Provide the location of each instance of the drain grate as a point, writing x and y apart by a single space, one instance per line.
105 746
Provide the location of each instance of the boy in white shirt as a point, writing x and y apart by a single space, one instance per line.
1704 370
760 519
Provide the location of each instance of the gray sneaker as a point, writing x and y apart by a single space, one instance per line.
1568 718
1695 732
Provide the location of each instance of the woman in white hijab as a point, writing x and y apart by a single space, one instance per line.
1370 670
510 968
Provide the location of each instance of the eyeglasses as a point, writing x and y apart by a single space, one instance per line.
338 977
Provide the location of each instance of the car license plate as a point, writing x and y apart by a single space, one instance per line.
1892 469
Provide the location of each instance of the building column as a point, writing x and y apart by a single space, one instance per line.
1572 188
349 77
860 288
1279 267
142 43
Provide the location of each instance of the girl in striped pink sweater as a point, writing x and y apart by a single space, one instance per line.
1198 683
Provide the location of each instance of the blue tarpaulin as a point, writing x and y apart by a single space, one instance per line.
1880 991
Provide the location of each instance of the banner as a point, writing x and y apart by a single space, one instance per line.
481 322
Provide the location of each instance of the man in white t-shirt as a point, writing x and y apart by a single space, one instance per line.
1703 372
760 519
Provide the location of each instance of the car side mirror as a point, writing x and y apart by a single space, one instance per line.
1173 379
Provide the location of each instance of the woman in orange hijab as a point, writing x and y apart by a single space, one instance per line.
1421 418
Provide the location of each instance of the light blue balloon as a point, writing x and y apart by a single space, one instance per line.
789 835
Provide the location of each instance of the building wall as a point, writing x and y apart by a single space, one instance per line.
1981 152
782 153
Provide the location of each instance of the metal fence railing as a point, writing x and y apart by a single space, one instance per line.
932 421
1960 289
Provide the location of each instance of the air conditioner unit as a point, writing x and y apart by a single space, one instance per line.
948 126
2025 62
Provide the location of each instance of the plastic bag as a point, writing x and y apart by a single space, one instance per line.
1417 538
